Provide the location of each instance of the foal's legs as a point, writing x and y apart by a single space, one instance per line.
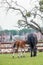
24 53
13 52
20 52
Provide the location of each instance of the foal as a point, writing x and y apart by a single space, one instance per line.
20 45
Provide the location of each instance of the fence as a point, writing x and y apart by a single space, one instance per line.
7 47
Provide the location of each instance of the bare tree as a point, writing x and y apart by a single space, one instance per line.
25 14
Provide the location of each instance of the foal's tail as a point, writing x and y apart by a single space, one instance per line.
14 45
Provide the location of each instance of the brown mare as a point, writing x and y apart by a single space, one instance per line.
20 45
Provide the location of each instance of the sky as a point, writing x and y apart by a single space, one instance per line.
9 20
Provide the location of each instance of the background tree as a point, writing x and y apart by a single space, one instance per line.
13 5
41 5
24 31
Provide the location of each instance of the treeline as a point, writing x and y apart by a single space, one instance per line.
15 32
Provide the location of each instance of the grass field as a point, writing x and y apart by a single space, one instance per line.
6 59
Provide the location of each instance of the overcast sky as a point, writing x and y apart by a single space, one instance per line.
10 20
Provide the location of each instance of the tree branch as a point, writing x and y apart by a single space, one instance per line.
20 6
30 25
25 21
35 24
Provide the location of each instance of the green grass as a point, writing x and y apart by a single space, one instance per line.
6 59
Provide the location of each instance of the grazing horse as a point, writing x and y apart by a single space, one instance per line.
19 44
32 41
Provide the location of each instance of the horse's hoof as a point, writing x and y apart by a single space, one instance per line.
31 56
35 55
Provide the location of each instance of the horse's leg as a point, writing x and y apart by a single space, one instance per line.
20 52
35 51
13 52
24 53
31 52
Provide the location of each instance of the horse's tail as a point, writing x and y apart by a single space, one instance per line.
14 45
